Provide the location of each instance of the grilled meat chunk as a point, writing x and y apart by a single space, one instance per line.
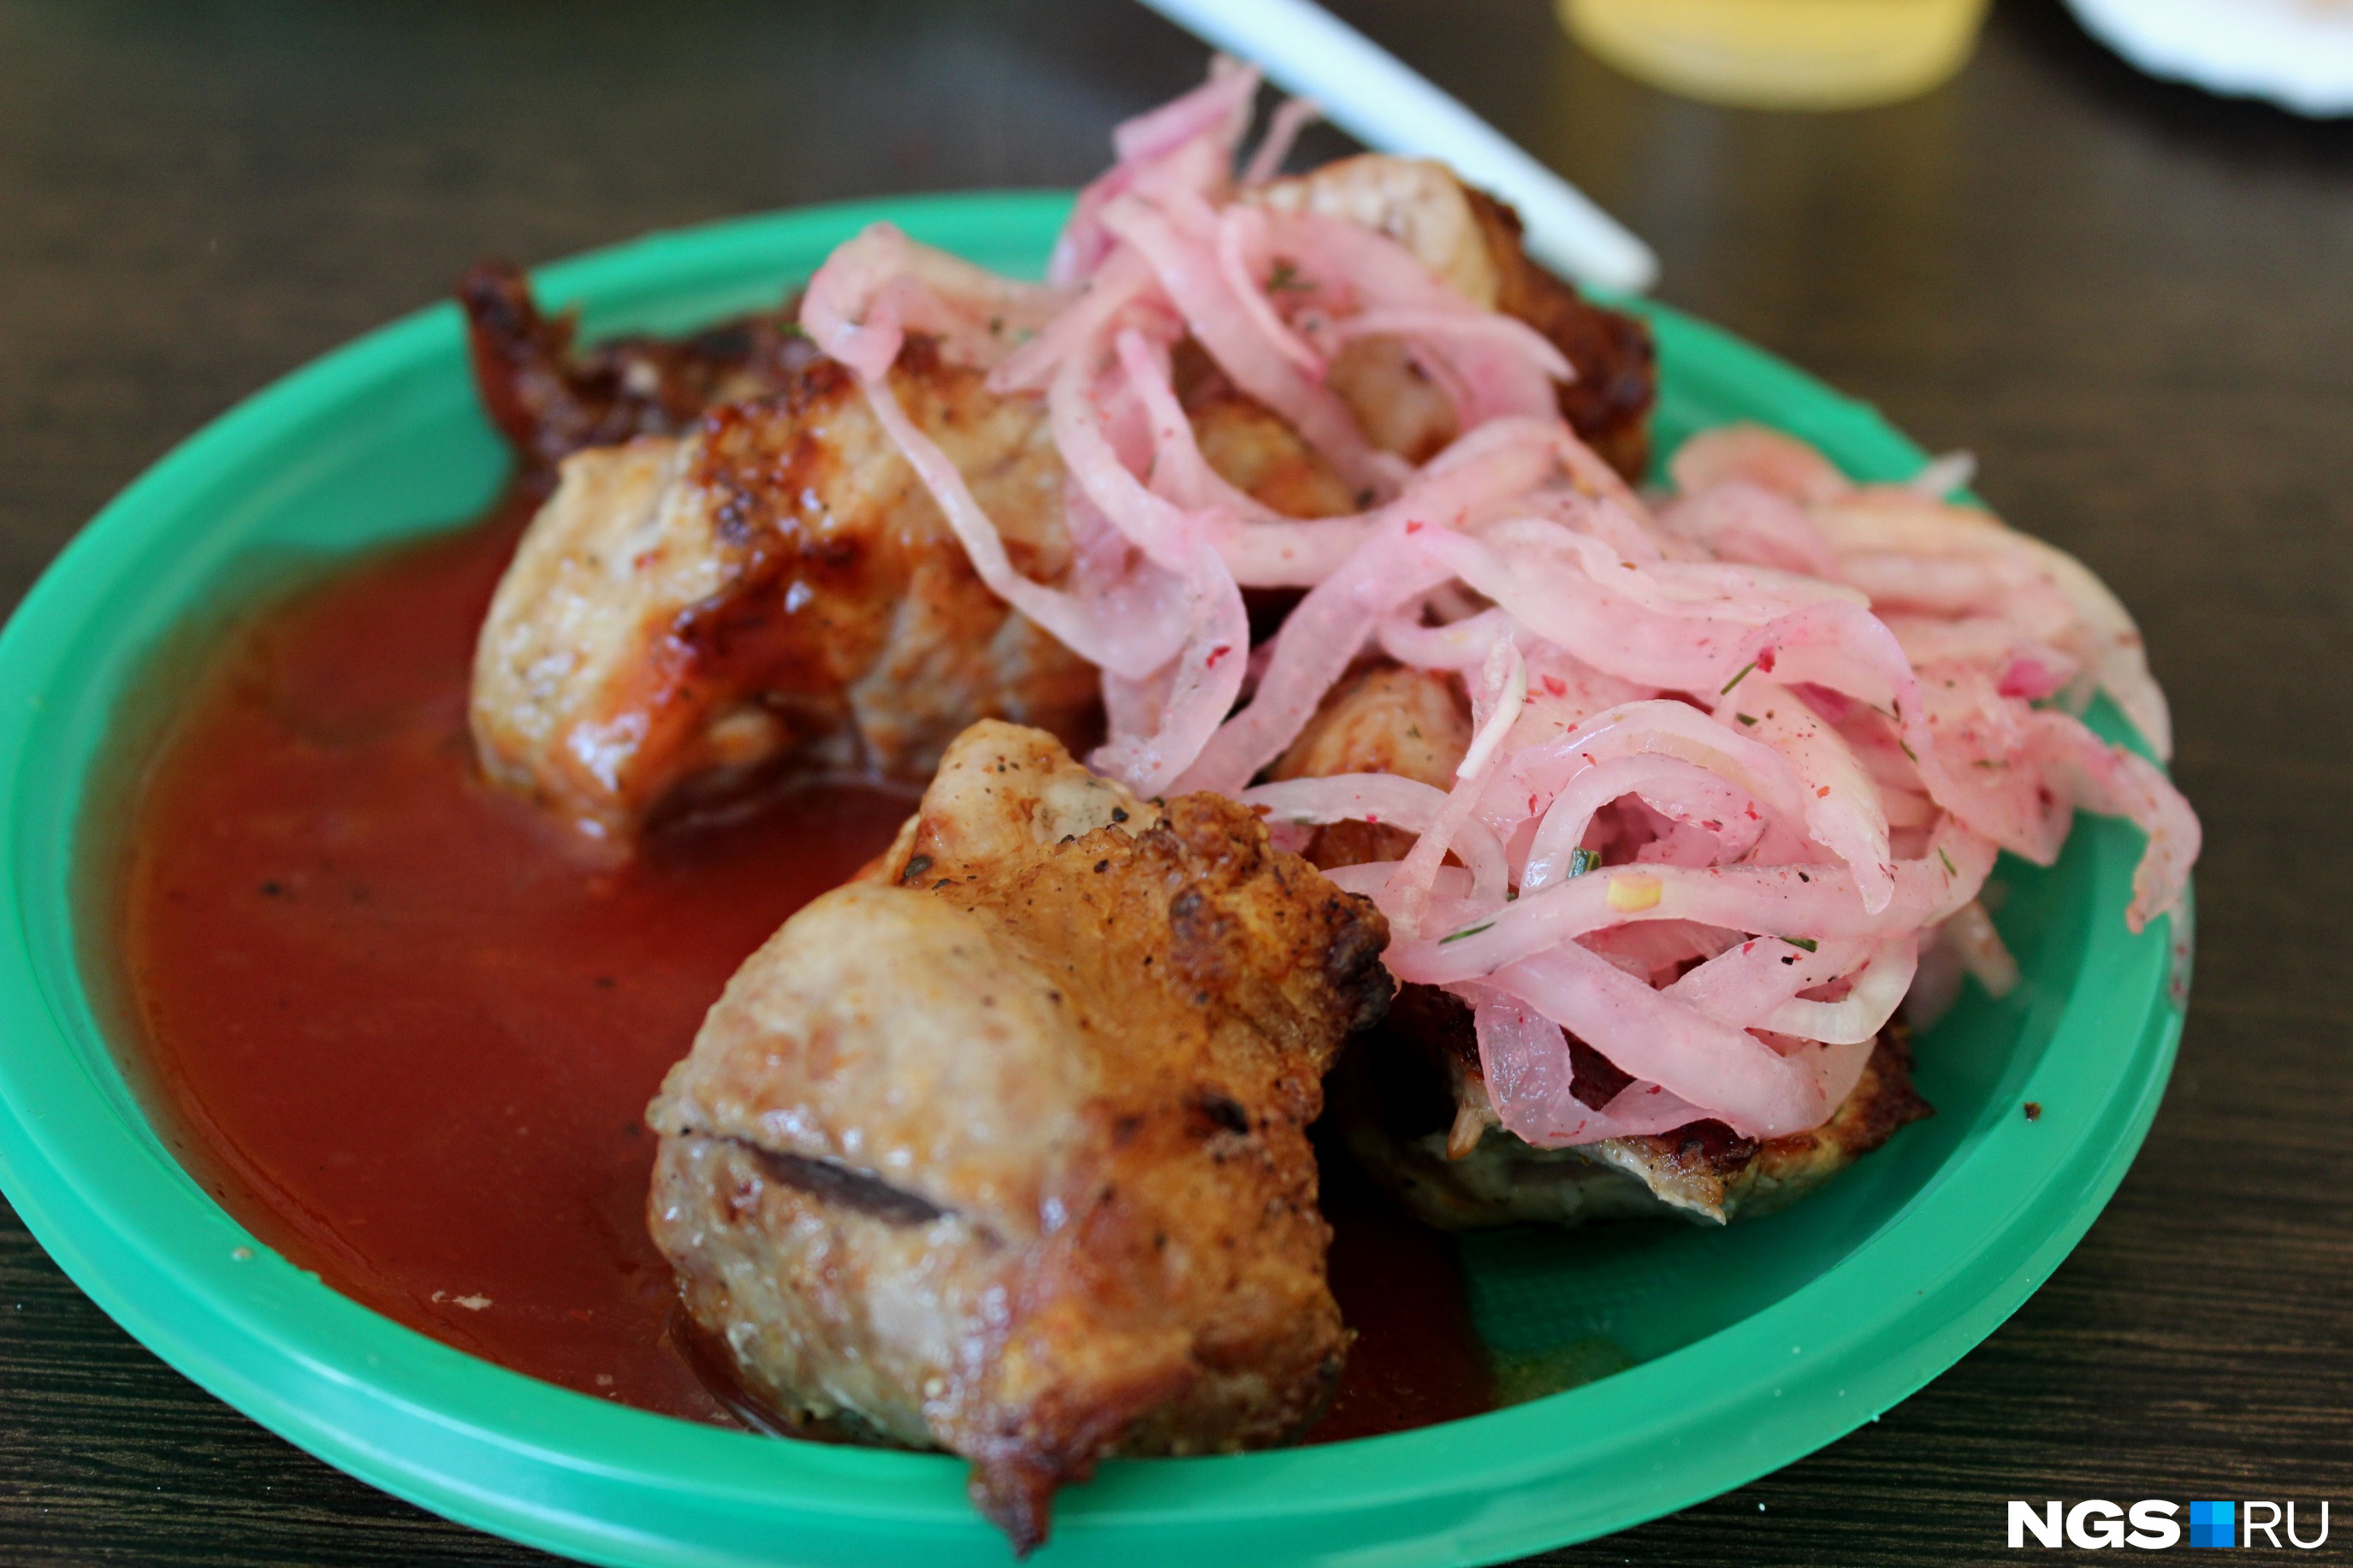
1410 1102
1002 1148
1251 449
1381 718
776 584
1473 241
551 400
776 587
1400 1099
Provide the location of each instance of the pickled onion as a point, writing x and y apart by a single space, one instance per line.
1742 761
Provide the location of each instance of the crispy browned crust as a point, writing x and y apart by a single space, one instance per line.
1115 1235
550 398
776 588
1609 404
809 603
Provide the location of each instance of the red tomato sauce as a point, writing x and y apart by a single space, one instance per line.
407 1031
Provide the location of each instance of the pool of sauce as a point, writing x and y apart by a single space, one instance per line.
408 1030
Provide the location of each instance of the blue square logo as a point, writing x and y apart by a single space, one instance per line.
2213 1525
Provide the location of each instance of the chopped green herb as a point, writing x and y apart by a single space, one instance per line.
1910 753
1466 932
1285 276
1809 943
1726 689
1950 869
1745 718
1580 861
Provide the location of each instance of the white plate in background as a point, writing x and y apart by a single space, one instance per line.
2297 53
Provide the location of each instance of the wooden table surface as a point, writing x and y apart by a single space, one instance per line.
2134 302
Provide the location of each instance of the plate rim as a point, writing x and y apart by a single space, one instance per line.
82 1168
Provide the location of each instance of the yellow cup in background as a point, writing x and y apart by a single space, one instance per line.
1781 53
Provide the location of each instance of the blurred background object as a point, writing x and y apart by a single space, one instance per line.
1783 53
2297 53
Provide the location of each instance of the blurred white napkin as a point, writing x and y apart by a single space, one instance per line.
2297 53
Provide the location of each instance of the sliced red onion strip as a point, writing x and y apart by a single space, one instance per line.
1186 144
1458 647
1660 727
1202 685
1660 950
1178 471
1292 116
1729 1071
1388 572
1159 528
1124 286
1892 519
1220 109
1940 476
1392 801
1502 688
1473 326
1354 272
1525 1062
1242 247
1682 789
2113 782
1984 640
1738 520
1692 590
1490 366
1844 814
1371 878
1318 641
1971 935
1557 600
1818 902
1125 645
1264 549
1743 985
1856 1019
1631 536
1505 686
877 288
1750 454
1188 272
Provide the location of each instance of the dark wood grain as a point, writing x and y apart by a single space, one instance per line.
2134 302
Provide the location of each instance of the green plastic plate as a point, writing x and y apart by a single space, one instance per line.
1751 1346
